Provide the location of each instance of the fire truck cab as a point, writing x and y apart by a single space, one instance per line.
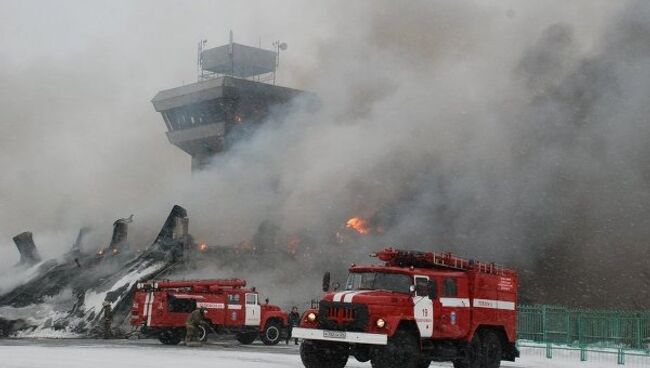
416 308
161 308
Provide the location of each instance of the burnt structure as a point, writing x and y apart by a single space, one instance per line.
28 252
230 99
93 279
120 234
78 243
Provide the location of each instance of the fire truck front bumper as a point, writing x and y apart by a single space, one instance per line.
339 336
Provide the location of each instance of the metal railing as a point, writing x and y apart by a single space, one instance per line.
585 354
589 334
583 327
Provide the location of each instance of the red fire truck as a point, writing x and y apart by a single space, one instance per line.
416 308
160 308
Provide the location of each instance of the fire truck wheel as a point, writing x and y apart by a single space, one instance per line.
202 334
473 355
247 338
402 351
491 350
361 353
271 334
322 354
169 337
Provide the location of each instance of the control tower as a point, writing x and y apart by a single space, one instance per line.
235 92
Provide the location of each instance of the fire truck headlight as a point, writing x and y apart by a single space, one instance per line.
381 323
311 317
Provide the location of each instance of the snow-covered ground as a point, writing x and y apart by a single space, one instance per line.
150 354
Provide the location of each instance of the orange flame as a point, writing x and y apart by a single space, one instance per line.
245 247
359 224
293 244
203 247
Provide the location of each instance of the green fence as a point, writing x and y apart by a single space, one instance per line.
581 327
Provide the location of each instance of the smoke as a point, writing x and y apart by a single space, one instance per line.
512 132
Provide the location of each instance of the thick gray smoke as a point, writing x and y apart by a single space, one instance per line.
513 132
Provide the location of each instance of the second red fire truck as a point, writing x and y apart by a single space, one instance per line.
414 309
160 308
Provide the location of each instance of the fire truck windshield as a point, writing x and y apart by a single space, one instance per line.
378 281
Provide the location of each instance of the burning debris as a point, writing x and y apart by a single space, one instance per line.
174 237
119 243
67 296
293 244
358 224
120 233
203 247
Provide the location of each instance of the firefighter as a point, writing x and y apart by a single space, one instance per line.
294 321
107 319
194 321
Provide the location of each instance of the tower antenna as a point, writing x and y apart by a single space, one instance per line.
230 52
279 46
199 60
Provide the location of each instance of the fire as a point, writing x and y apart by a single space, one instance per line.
293 244
245 247
359 224
203 247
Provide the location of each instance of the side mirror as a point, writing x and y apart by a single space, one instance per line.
326 282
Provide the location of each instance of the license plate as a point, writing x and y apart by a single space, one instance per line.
334 334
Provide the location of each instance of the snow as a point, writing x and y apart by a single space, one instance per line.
151 354
93 300
596 357
55 308
38 314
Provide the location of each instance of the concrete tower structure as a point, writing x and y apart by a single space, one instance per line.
233 95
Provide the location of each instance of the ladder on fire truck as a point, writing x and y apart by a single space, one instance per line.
192 285
446 260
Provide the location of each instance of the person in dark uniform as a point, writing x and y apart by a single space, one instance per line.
294 321
107 319
194 321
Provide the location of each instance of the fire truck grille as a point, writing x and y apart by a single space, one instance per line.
343 316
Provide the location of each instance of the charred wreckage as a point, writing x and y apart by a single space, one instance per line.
66 295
